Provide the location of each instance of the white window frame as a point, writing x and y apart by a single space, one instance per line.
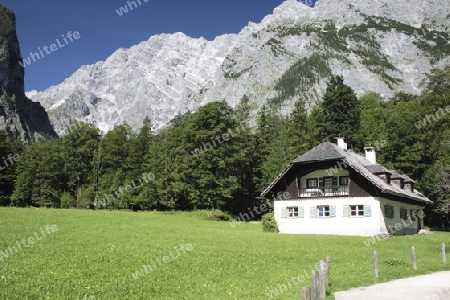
344 177
324 210
389 211
328 180
292 212
357 209
312 180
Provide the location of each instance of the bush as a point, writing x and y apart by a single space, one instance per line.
269 223
213 215
67 201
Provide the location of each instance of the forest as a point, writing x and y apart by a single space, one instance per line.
220 157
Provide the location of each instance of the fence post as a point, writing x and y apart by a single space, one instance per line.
306 293
414 260
315 284
375 263
328 264
322 283
444 255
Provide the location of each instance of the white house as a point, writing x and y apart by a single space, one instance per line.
333 190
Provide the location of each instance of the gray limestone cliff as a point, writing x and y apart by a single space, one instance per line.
376 45
19 116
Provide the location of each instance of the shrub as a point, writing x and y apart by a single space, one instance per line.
213 215
67 201
269 223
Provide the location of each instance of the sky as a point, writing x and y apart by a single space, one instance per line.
102 30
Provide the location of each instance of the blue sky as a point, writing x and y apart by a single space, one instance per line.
102 30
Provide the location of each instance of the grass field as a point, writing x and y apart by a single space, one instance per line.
94 255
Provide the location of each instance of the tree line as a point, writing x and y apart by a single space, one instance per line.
220 157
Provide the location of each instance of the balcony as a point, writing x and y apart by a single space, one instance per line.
329 191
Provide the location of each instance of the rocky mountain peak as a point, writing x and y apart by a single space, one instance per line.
380 46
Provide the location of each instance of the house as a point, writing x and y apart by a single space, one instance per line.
333 190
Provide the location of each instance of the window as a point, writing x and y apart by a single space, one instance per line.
344 180
323 211
324 186
292 212
312 183
389 211
357 210
403 213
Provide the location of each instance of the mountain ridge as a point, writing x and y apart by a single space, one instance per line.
376 46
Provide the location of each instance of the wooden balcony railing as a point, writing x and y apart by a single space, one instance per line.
329 191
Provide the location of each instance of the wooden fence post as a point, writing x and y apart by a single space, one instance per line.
322 283
375 263
327 264
306 293
315 284
444 255
414 260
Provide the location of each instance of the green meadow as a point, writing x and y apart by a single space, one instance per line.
96 254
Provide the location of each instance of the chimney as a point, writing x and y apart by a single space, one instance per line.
341 142
370 154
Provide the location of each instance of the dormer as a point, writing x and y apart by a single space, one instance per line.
397 179
408 183
381 172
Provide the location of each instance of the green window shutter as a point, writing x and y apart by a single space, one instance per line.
301 212
346 211
321 182
333 211
367 211
335 181
283 212
312 212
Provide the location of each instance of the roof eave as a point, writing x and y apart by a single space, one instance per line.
422 200
276 180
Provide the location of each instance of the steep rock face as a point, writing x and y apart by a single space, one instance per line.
379 46
19 116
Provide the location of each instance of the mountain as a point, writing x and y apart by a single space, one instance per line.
19 116
377 45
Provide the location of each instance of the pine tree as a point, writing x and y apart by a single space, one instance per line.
340 112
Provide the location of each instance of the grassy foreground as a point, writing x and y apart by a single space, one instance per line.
96 254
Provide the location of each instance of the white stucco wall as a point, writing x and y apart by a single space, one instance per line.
396 225
340 225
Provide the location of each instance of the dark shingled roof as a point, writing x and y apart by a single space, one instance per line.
375 169
330 151
395 175
407 178
324 151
